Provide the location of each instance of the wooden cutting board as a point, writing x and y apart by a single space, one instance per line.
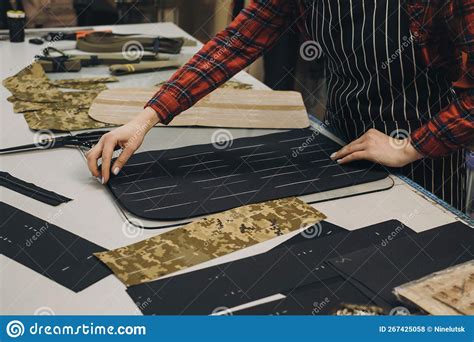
222 108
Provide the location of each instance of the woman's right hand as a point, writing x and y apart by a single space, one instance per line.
129 137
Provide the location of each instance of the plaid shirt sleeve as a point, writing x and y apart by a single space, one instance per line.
453 127
253 31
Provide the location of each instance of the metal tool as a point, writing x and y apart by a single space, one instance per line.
83 140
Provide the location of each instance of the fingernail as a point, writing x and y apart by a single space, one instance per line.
116 171
332 155
339 161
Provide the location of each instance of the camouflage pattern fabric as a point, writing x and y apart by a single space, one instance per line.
46 107
88 83
84 80
229 85
77 99
96 87
208 238
32 84
61 119
27 106
359 310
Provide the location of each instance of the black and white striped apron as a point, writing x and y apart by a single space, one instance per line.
374 81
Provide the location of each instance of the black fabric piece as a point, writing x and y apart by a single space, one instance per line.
319 230
94 60
59 35
49 250
204 179
378 270
156 45
280 270
322 298
31 190
58 64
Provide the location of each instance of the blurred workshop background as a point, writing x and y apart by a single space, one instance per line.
281 68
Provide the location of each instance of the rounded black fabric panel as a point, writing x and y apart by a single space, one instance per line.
203 179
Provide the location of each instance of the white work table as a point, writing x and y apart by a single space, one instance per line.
93 214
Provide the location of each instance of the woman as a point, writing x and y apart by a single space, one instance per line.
391 66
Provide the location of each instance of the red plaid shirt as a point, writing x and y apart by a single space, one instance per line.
444 36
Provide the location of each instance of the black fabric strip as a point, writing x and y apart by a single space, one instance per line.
377 271
49 250
203 179
280 270
322 298
31 190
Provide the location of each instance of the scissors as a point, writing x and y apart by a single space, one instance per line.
83 140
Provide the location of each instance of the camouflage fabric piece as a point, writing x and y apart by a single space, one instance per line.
208 238
229 85
359 310
84 80
26 106
96 87
32 84
87 83
80 99
61 119
46 107
76 99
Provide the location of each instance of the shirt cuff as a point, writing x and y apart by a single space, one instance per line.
165 105
425 141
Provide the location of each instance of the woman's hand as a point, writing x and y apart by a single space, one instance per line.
378 148
129 137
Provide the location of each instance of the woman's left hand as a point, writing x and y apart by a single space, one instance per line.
378 148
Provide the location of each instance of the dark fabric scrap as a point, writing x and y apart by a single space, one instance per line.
49 250
377 270
31 190
203 179
322 298
279 270
318 231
